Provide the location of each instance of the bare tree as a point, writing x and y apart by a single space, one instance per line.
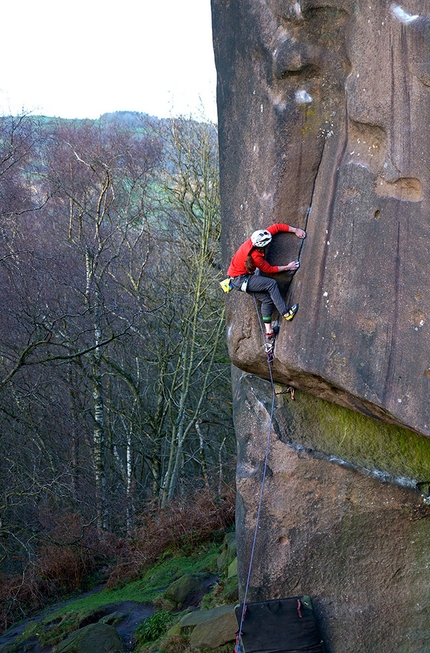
101 175
115 376
193 325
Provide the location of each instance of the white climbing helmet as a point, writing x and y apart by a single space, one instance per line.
261 238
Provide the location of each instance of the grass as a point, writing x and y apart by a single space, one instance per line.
153 581
153 627
185 539
150 586
157 578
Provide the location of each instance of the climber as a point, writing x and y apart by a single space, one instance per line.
247 269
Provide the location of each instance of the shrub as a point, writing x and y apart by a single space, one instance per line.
68 552
153 627
186 521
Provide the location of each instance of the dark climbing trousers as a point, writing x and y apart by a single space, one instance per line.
266 290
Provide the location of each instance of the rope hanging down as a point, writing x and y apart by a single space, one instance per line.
239 648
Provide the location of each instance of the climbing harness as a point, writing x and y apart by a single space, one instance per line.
244 285
227 286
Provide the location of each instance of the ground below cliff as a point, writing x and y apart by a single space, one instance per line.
135 616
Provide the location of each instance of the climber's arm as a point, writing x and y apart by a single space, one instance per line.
277 228
299 232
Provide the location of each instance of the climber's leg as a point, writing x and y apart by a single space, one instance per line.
267 291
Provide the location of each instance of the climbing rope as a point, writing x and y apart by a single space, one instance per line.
270 355
239 647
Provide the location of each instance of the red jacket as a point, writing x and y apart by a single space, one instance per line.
237 265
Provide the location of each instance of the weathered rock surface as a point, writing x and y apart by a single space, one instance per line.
210 629
323 123
228 551
30 636
94 637
187 589
357 545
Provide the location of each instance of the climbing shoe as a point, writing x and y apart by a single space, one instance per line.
291 312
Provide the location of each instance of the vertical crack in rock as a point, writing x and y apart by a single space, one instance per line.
392 345
309 209
342 517
346 74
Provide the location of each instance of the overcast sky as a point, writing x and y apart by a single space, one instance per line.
88 57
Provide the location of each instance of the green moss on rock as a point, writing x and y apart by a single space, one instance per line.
362 441
351 437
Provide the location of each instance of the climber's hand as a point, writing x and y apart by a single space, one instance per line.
294 265
300 233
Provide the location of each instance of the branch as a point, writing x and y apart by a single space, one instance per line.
59 357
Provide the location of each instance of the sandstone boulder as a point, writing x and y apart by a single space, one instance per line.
211 629
323 115
351 538
94 637
228 551
187 589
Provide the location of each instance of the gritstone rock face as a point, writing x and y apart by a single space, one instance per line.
323 122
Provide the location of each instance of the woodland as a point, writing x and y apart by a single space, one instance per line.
115 403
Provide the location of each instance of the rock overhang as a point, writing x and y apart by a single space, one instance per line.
327 130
